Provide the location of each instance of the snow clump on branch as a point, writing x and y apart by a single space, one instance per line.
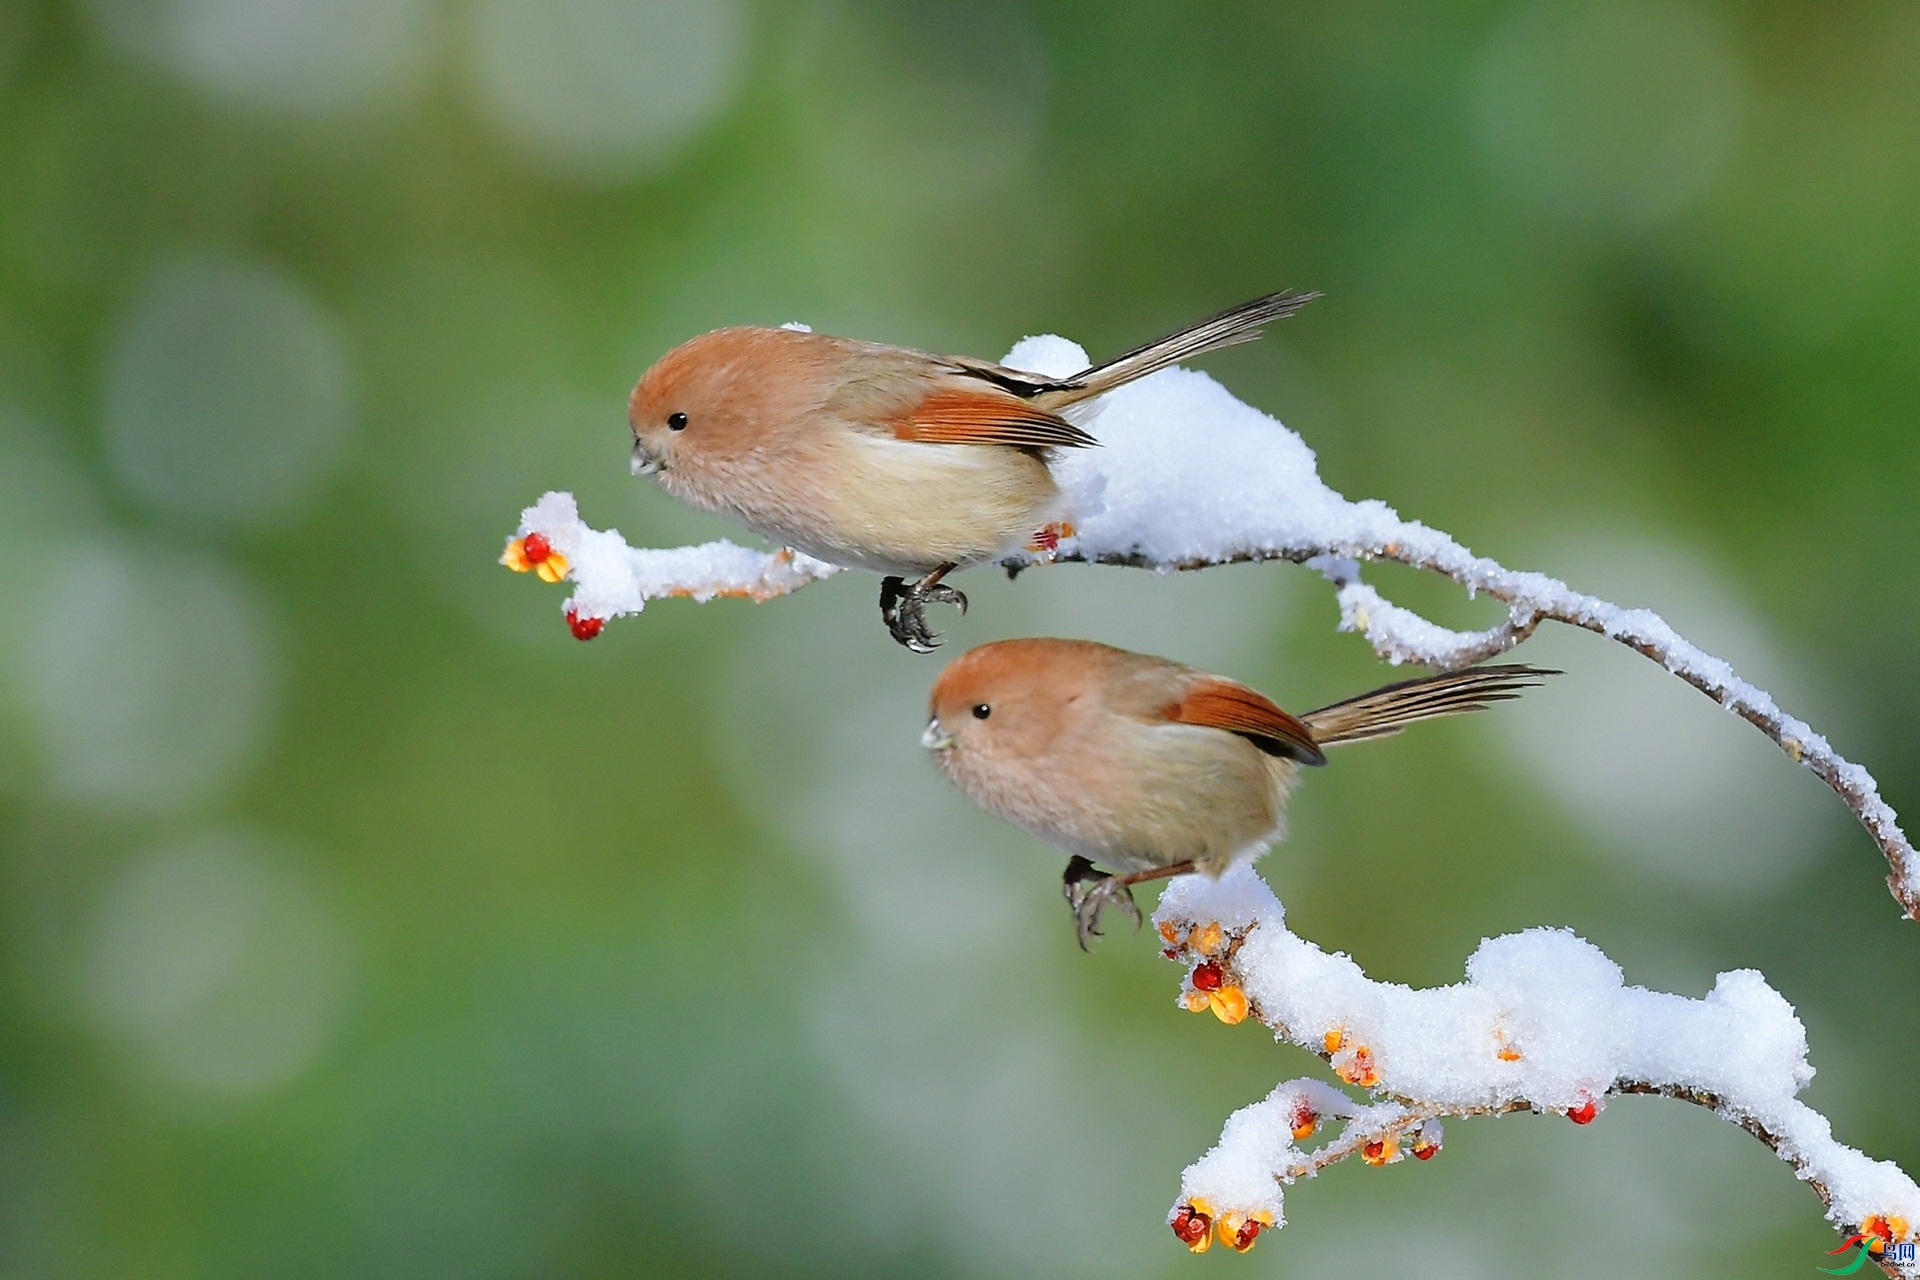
1544 1022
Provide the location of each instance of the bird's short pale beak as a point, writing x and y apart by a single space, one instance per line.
644 463
936 738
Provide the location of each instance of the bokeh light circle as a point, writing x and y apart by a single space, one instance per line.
1609 112
227 392
150 677
217 962
601 90
1664 781
302 57
930 106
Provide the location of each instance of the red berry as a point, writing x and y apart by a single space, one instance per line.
1190 1224
536 548
1249 1232
1375 1151
1208 977
1426 1152
585 628
1585 1112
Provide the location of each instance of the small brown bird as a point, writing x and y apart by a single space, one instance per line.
884 458
1148 766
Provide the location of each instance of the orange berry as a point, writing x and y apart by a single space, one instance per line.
1229 1004
1359 1069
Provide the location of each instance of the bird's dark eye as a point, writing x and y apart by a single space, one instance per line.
676 422
981 711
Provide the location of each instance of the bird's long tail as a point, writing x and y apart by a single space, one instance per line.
1389 710
1230 328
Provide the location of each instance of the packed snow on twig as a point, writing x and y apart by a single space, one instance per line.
611 578
1187 473
1543 1021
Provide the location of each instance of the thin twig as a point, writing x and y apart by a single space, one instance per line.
613 578
1534 598
1355 1137
1272 981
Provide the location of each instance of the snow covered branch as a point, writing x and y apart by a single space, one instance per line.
1543 1023
612 578
1188 477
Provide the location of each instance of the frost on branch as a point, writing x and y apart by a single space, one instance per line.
1186 477
611 578
1543 1022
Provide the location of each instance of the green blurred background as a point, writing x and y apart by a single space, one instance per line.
359 922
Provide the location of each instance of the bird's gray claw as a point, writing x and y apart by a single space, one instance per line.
912 630
941 593
919 638
908 626
903 607
1088 893
894 611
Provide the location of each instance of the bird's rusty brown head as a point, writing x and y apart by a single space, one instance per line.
707 397
1005 700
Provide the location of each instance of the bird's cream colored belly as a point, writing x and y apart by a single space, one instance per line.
891 506
1193 794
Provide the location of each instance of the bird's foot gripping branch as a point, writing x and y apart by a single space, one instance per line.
1187 477
1543 1023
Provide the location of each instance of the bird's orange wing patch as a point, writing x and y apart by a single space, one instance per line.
965 415
1222 704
